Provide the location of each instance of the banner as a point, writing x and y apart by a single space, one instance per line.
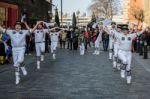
107 22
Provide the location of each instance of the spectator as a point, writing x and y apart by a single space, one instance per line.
47 43
105 40
75 39
71 37
148 37
82 42
63 38
68 39
28 43
2 50
5 48
87 38
94 36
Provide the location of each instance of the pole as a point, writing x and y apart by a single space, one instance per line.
61 10
145 50
111 8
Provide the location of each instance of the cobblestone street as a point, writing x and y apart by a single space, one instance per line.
73 76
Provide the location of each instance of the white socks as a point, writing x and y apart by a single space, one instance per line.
123 73
54 56
24 71
42 57
38 64
96 52
118 66
129 79
114 64
17 78
110 55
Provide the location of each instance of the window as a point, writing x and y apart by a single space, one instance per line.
2 15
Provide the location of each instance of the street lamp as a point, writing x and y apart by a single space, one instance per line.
61 10
51 13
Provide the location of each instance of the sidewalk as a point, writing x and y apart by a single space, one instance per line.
145 63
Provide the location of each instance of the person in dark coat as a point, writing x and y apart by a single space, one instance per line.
47 41
105 40
75 39
28 43
71 38
68 39
2 49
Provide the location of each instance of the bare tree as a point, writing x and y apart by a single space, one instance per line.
106 8
138 14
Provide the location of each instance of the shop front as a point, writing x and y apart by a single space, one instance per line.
8 14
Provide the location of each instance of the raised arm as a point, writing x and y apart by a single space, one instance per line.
32 31
107 30
48 24
61 30
27 26
52 29
28 31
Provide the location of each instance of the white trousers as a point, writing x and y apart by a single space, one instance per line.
53 46
18 55
82 49
116 49
40 48
111 44
126 58
97 44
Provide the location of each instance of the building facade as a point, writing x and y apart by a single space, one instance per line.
81 20
8 13
12 10
147 12
126 6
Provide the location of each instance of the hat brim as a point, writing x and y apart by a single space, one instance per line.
125 29
18 23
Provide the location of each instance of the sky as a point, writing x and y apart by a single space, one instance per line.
71 6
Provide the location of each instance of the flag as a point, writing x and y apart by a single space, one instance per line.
107 22
23 18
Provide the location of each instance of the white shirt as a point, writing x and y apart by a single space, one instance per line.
125 41
111 34
54 36
18 39
99 38
116 39
40 35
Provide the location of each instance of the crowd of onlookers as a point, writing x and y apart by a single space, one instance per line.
68 39
143 40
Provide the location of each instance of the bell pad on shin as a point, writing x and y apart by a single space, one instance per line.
123 67
129 73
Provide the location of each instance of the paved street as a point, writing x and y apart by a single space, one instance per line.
74 77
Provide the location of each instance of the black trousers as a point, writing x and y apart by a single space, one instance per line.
2 49
105 44
62 44
75 45
71 44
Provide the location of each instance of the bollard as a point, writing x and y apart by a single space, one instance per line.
145 50
141 48
137 45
